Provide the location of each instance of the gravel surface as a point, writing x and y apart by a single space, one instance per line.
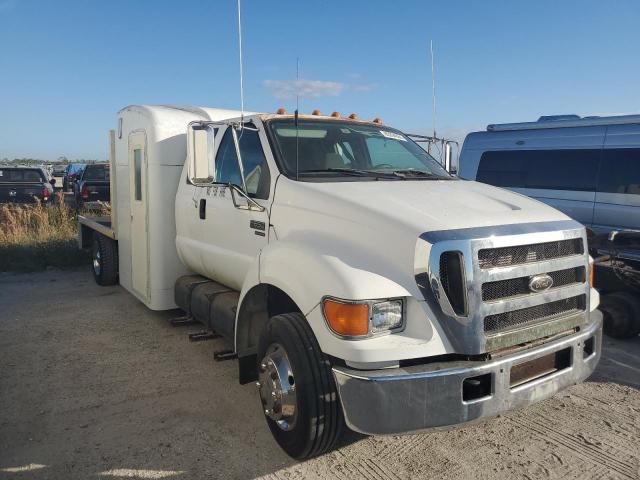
94 385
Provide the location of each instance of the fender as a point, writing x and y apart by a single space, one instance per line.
304 268
309 268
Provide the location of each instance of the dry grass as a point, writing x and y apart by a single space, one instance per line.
34 237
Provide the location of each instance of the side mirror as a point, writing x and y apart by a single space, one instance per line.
200 153
450 160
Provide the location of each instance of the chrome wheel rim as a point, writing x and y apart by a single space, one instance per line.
277 387
96 262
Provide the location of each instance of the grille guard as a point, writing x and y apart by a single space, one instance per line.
466 332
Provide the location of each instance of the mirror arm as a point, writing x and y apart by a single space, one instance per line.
240 166
251 203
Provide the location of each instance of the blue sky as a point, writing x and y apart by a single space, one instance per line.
67 67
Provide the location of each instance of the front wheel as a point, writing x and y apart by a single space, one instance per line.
297 389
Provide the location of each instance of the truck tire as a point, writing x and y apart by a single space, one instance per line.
297 389
104 256
621 312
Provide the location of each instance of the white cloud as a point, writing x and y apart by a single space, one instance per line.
305 88
287 89
364 87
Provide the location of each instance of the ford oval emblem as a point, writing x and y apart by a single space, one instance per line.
540 283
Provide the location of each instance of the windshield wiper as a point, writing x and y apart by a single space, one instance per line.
419 173
352 171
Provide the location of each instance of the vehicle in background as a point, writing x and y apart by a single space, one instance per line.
354 279
58 172
589 167
73 171
93 184
617 278
25 185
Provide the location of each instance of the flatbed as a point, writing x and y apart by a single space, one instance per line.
87 225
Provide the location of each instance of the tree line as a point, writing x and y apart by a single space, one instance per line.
37 161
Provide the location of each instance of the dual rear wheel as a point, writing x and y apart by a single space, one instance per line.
104 260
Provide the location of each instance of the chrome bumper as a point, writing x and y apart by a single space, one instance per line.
431 396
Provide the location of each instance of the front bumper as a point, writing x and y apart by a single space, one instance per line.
431 396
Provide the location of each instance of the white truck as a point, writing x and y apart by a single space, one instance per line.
356 281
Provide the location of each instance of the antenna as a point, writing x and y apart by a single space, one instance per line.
241 75
433 87
297 109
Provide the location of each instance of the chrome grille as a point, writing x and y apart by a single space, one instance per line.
539 313
523 254
513 287
499 262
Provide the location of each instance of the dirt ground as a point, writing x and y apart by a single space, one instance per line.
94 385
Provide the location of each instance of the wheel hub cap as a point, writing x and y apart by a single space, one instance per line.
277 387
96 262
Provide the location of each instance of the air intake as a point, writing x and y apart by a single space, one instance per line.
453 282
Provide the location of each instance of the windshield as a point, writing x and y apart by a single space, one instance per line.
333 148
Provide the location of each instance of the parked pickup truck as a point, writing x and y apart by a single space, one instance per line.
355 280
25 185
93 184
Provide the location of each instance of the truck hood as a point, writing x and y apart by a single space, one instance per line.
420 205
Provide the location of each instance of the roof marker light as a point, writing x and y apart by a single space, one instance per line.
377 120
353 116
335 114
281 111
316 112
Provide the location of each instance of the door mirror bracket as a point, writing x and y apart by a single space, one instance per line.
245 202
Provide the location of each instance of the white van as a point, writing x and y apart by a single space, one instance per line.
589 167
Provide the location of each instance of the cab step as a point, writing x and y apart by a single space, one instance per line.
203 335
182 321
222 355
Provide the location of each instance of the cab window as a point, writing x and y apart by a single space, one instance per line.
227 169
254 164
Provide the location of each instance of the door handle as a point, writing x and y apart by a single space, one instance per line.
203 208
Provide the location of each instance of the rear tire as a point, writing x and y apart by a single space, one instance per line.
621 312
312 421
104 256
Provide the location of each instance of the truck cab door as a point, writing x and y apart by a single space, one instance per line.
234 209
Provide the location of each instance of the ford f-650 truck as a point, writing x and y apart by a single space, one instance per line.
356 281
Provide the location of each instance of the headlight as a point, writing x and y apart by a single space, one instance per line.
386 316
362 319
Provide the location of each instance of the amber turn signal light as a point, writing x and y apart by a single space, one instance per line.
591 274
347 319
